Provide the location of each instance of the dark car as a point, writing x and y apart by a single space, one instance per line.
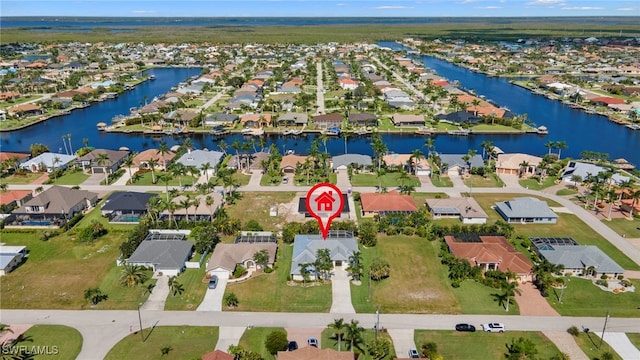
465 327
312 342
213 282
293 345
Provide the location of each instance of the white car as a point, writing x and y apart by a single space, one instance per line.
493 327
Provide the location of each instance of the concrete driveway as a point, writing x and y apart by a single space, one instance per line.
301 335
341 293
158 295
229 335
213 297
402 341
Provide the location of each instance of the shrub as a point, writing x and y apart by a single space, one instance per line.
253 225
268 270
573 330
603 283
620 277
625 283
239 271
230 300
276 341
604 277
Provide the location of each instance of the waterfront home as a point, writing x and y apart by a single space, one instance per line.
141 160
54 206
255 120
12 160
13 198
455 165
407 163
460 117
382 204
466 209
293 119
398 99
407 120
126 206
490 253
197 158
25 110
328 121
341 246
576 259
584 170
517 164
341 162
48 162
362 119
91 161
220 119
290 162
163 252
526 210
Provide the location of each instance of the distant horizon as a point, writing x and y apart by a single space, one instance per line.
319 8
312 17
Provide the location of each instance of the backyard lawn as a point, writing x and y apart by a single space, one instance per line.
270 292
253 340
481 345
185 342
194 290
389 180
329 341
625 227
590 345
67 341
70 177
255 206
582 298
403 291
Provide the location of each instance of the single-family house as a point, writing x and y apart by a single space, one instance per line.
254 161
220 119
13 198
348 83
382 204
290 162
92 160
197 158
217 355
576 259
255 120
454 165
526 210
407 120
466 209
25 110
490 253
164 252
141 160
328 121
460 117
48 162
11 257
314 353
341 246
341 162
517 164
293 119
584 170
344 214
226 257
17 158
362 119
56 205
197 208
406 163
126 206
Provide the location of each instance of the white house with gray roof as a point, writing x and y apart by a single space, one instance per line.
578 260
199 157
49 161
341 162
455 165
305 248
163 252
526 210
585 169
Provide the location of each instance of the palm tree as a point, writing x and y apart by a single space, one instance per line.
430 144
185 204
475 104
209 201
524 165
132 275
561 145
175 287
163 149
338 327
304 271
152 163
103 160
635 196
416 156
205 169
354 333
576 179
223 147
379 148
177 169
128 162
165 178
510 289
549 145
487 149
56 160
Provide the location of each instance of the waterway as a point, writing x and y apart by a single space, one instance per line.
579 130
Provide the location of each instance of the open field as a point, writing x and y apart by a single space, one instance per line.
589 344
329 341
481 345
533 184
568 225
253 339
66 340
476 181
582 298
476 298
466 28
186 342
270 292
255 206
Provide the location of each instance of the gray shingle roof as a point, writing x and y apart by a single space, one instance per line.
306 246
127 201
164 254
456 159
525 207
198 157
347 159
581 257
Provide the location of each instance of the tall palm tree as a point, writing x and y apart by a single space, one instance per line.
165 178
177 170
132 275
338 327
475 104
430 144
152 163
128 162
205 169
510 289
354 333
163 149
524 165
223 147
185 204
560 145
103 160
416 156
549 145
635 196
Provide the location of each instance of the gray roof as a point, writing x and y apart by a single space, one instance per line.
127 201
57 200
163 254
585 169
114 155
47 159
456 159
305 248
525 207
581 257
298 118
348 159
198 157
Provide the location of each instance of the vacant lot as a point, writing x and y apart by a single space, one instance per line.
625 227
185 342
25 178
67 341
477 181
476 298
481 345
255 206
582 298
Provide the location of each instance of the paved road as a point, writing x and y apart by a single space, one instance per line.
319 90
102 329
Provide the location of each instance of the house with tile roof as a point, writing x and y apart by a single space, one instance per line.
142 159
90 161
328 121
510 164
217 355
313 353
290 162
386 203
491 253
13 198
526 210
306 246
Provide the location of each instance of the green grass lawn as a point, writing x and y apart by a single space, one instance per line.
441 181
566 191
61 342
533 183
302 179
582 298
70 177
253 340
270 292
481 345
78 266
635 339
146 180
121 297
420 198
496 128
255 206
590 345
266 180
403 291
389 180
329 341
476 181
20 179
625 227
194 290
568 225
186 342
476 298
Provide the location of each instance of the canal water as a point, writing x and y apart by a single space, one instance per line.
579 130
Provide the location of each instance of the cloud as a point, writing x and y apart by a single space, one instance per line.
627 9
139 12
545 3
489 7
582 8
341 4
391 7
468 1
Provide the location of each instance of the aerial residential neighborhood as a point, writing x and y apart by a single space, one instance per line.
156 199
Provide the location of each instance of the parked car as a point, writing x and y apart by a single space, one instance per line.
493 327
213 282
312 342
293 345
413 354
465 327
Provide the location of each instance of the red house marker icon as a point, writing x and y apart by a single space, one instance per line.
324 202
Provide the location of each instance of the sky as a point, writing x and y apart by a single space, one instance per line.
319 8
